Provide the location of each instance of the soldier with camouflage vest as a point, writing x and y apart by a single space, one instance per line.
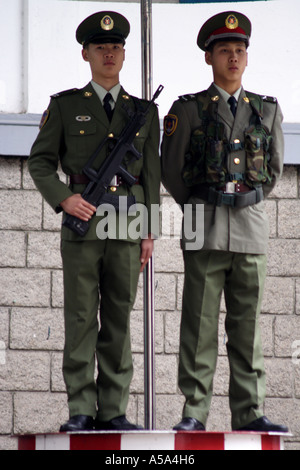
223 148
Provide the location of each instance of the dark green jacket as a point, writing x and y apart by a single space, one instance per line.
66 141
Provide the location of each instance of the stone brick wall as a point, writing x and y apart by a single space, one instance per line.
32 397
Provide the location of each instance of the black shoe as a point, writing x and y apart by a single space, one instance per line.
116 424
189 424
78 423
263 425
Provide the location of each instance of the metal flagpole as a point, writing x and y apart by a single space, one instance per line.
148 279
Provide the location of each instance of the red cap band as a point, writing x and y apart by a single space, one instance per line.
226 30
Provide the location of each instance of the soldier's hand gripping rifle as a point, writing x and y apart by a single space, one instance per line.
96 191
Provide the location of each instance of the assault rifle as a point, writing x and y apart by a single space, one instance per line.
96 191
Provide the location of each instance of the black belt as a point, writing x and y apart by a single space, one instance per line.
218 197
79 179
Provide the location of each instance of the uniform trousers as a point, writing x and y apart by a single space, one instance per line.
98 273
241 276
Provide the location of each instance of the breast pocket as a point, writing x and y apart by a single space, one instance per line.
80 138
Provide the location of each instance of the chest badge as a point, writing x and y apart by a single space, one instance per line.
83 118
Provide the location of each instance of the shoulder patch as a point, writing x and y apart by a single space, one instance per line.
44 118
170 124
65 93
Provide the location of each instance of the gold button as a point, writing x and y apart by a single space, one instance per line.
236 141
237 161
111 136
113 189
137 134
88 94
81 132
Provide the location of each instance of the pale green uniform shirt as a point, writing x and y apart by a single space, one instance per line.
101 93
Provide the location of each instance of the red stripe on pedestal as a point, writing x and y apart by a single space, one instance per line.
199 441
95 442
26 443
270 442
152 441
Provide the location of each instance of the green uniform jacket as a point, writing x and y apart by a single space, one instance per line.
240 230
76 124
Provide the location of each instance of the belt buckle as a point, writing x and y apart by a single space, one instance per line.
229 199
230 187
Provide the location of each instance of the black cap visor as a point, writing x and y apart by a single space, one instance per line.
100 39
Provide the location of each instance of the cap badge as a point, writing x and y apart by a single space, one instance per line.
107 23
231 22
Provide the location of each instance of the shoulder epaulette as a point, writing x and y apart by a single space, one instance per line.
269 99
65 93
140 103
257 102
193 96
185 98
255 96
143 100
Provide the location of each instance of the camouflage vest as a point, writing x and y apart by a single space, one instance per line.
206 160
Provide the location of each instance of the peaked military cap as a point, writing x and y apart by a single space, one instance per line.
101 27
225 25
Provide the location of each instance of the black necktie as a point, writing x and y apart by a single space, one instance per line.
233 104
107 106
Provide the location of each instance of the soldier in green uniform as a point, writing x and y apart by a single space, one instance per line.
223 148
96 266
